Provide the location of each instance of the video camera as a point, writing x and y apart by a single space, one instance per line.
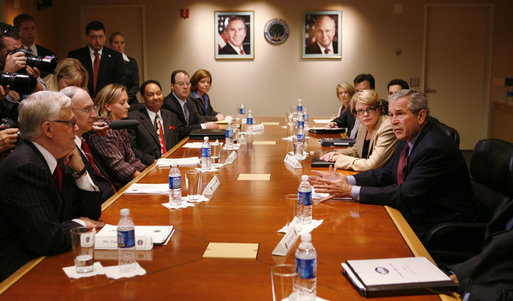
21 83
44 64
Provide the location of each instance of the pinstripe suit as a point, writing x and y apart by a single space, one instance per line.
35 218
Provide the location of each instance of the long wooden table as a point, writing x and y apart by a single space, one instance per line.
239 211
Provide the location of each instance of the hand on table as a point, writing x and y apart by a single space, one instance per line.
331 182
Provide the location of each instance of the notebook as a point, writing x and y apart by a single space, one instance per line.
337 142
327 130
316 162
212 134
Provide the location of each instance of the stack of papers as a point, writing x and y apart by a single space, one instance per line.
159 234
193 145
191 161
139 188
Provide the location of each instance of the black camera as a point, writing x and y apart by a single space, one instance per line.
6 123
44 64
21 83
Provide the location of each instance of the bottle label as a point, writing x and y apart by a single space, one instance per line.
241 111
299 108
205 152
175 182
229 133
300 137
126 239
300 124
304 197
249 120
307 268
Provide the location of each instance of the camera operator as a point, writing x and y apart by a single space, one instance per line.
8 135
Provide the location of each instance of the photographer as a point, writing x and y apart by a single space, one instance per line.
8 135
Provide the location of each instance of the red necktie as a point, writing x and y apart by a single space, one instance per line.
158 126
89 157
242 51
403 160
57 177
96 68
326 51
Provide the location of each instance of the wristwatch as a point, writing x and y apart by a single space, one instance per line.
77 175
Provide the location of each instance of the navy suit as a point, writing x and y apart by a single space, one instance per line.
314 48
228 49
436 185
35 218
346 119
144 139
208 113
185 126
43 51
112 68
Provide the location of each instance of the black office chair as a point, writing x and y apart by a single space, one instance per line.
447 130
491 170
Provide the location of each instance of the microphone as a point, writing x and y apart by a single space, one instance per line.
123 124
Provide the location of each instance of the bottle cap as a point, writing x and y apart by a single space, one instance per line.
174 165
306 237
125 212
205 138
304 178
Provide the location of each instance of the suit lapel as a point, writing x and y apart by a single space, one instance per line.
146 121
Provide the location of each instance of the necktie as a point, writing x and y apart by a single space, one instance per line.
89 157
158 127
96 68
242 51
57 177
403 160
186 112
326 51
29 50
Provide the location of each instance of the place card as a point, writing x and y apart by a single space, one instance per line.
231 250
292 161
270 123
254 177
287 242
231 158
258 127
212 186
264 142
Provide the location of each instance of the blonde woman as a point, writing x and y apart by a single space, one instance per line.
69 72
113 150
375 141
345 119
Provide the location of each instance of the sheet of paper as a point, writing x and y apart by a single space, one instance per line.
190 161
143 188
270 123
193 145
231 250
254 177
264 142
325 121
159 234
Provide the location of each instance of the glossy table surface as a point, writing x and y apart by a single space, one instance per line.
239 211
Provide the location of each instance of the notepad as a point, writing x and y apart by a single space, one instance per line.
231 250
254 177
264 142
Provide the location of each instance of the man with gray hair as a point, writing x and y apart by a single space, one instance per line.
46 189
427 178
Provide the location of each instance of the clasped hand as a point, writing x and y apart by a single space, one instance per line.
331 182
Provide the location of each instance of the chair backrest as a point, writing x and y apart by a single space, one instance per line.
447 130
491 168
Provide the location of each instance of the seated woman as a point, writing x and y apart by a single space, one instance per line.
112 152
375 142
69 72
200 85
345 117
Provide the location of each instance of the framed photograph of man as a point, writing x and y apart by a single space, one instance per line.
322 34
234 35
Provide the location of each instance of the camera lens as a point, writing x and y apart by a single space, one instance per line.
21 83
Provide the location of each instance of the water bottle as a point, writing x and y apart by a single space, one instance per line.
305 118
304 195
206 160
249 121
299 106
126 241
300 121
228 141
306 267
241 110
298 145
175 185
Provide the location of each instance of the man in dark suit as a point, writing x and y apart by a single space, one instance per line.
157 131
236 33
46 189
324 32
104 65
26 24
489 275
185 110
85 114
427 178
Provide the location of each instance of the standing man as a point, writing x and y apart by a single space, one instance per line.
26 24
157 131
46 189
427 178
85 114
104 65
186 112
396 85
236 33
324 32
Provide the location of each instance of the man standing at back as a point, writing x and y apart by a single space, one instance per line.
26 24
104 65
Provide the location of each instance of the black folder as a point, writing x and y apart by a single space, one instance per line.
212 134
316 162
337 142
327 130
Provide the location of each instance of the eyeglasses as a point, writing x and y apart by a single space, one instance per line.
368 111
71 122
184 84
87 109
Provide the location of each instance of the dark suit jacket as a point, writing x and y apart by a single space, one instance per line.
489 275
315 49
346 119
112 68
195 119
228 49
101 182
144 139
436 185
43 51
208 114
35 218
132 79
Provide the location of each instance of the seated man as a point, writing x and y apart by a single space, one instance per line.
157 131
427 178
46 189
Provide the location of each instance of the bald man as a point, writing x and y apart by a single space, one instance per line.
324 32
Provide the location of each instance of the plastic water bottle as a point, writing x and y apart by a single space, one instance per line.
228 141
304 195
306 117
300 121
175 185
206 160
306 267
241 110
249 121
126 241
299 106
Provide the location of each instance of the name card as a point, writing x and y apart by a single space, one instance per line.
258 127
292 161
212 186
111 242
231 158
287 242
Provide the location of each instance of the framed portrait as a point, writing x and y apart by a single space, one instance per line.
234 35
322 34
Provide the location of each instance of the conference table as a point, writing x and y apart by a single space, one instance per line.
240 211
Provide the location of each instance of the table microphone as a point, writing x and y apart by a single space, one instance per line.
123 124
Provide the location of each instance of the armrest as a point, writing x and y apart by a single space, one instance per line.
455 237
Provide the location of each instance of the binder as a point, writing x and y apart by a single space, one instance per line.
337 142
316 162
327 130
212 134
